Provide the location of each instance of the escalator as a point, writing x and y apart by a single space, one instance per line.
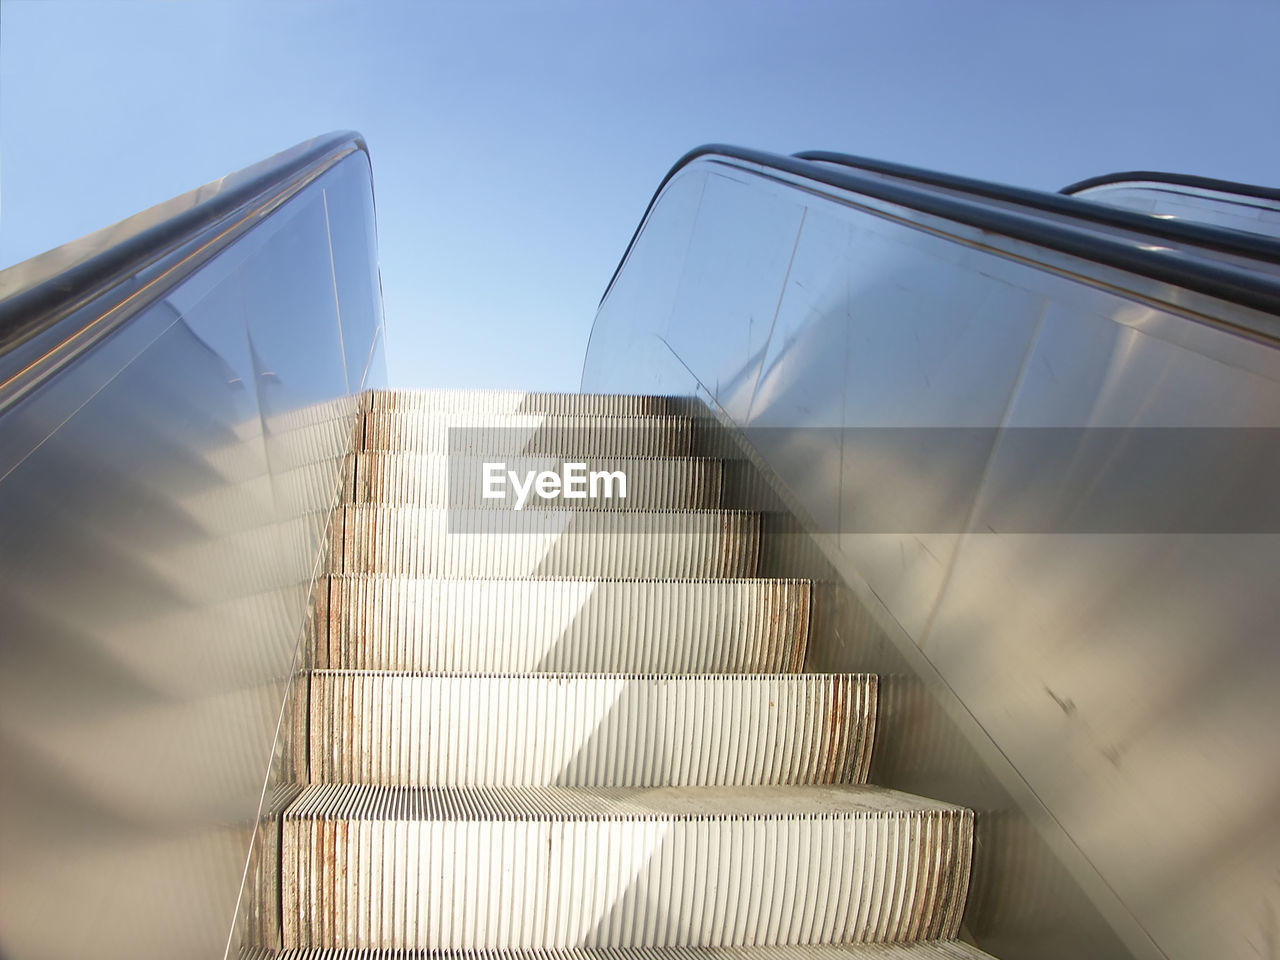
648 780
936 620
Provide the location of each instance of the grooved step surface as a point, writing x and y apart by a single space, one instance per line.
499 402
581 730
556 867
546 543
425 480
530 434
551 626
578 730
931 950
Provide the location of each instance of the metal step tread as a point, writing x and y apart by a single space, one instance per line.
518 401
924 950
525 433
347 801
563 624
440 480
426 541
670 866
590 729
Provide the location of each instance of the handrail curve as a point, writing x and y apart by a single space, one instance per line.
1184 268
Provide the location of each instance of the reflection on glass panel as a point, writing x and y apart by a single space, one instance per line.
732 278
349 207
1179 202
291 277
640 301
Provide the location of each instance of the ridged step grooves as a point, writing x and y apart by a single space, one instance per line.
412 541
686 483
579 729
561 625
528 434
585 733
507 402
558 867
935 950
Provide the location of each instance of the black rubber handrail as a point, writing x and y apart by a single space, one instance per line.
1209 237
1181 268
1176 179
30 311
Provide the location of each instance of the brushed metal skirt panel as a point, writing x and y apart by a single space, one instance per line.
557 867
583 730
545 543
561 625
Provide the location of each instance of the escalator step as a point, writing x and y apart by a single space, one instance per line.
403 729
557 867
527 434
927 950
508 402
562 625
545 543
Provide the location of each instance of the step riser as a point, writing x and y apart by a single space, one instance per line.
588 626
545 543
590 731
425 481
515 402
407 883
527 434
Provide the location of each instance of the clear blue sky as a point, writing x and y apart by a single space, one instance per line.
515 144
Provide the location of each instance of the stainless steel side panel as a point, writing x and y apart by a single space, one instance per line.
1117 689
163 506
